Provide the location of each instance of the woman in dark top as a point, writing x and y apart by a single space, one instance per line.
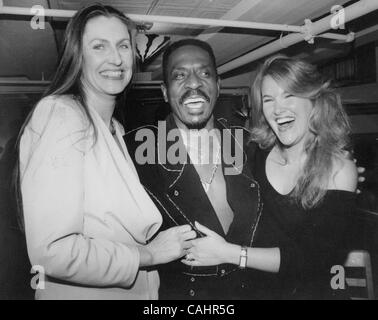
307 182
311 241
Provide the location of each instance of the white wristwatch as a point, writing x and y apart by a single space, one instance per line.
243 257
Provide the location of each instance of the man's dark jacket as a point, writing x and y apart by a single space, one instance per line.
178 193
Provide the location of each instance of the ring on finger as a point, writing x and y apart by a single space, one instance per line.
189 257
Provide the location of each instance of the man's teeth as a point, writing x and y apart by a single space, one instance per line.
194 100
113 74
285 120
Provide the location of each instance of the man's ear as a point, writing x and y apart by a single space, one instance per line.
218 85
164 91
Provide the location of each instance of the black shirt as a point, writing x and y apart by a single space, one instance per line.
310 241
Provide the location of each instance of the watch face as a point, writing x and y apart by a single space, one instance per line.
243 258
243 262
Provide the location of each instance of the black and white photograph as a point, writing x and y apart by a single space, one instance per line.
188 154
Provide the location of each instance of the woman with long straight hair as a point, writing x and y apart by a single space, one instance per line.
307 182
88 220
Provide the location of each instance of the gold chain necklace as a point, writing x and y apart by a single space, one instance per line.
206 184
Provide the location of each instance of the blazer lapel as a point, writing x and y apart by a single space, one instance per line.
185 192
241 190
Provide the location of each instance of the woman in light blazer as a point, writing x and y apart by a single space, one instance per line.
88 220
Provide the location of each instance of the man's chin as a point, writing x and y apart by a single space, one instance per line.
196 126
194 122
197 123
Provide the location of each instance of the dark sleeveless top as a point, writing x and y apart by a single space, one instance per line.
310 241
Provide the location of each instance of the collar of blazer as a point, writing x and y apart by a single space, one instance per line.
174 171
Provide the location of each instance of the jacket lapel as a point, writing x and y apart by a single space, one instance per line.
242 188
184 190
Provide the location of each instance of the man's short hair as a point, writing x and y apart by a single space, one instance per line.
186 42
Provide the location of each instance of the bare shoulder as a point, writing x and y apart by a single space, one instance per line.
344 175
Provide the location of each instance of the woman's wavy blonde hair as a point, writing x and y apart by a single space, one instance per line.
329 125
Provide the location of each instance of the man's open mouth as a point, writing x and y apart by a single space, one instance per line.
194 98
194 102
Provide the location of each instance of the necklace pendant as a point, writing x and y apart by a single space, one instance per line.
206 186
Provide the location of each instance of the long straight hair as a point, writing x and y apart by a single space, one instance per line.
328 124
67 79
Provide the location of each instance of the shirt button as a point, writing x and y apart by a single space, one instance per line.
223 271
176 193
192 293
252 185
192 279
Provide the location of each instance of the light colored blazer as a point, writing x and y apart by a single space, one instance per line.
85 210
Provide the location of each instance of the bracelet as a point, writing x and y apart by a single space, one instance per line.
243 257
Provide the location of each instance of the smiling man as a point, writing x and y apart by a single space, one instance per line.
202 191
191 86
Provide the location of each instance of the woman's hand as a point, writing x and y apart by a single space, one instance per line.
207 251
170 244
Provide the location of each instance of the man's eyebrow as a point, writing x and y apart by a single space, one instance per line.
178 69
202 66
